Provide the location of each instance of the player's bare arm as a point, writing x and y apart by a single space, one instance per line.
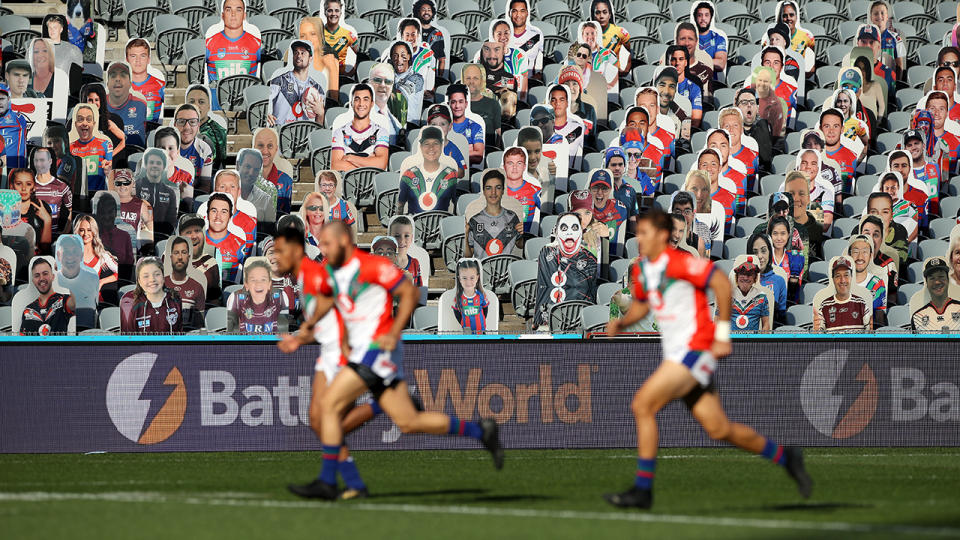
722 291
289 343
637 311
408 296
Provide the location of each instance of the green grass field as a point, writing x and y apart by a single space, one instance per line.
700 493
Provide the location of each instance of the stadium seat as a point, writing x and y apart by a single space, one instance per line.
899 316
230 94
800 315
452 232
770 184
358 186
496 274
746 225
425 319
565 318
295 138
932 248
620 271
594 318
910 289
523 286
818 272
845 227
6 322
758 206
854 206
940 228
808 291
734 247
215 319
834 247
605 292
547 224
257 99
192 12
950 207
110 319
533 246
140 17
427 228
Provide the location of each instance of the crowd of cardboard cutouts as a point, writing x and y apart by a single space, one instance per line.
112 204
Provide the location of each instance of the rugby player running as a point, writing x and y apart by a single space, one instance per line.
674 285
362 287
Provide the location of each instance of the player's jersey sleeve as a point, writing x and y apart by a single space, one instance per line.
380 271
684 266
636 279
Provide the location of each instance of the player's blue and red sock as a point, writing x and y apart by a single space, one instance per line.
469 429
328 473
774 452
350 474
645 468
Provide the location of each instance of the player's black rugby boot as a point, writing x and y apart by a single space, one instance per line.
631 498
491 441
351 493
796 470
315 490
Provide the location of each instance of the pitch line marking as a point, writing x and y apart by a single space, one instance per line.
246 500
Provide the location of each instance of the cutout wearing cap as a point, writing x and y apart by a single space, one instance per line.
935 264
600 177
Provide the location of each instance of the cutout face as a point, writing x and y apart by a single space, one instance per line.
569 234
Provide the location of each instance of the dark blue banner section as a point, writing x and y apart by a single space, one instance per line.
126 397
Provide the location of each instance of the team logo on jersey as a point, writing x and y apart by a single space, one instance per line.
132 112
172 316
742 321
494 246
559 279
839 397
427 200
146 405
221 53
558 295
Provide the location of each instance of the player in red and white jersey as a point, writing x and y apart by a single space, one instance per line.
362 288
674 284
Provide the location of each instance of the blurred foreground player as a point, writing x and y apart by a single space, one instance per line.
327 331
674 285
362 287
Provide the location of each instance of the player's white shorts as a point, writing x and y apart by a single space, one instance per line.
329 335
701 364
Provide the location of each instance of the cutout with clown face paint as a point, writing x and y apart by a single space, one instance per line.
569 234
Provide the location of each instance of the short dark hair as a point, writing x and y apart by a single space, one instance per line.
164 132
831 112
218 196
457 89
40 260
682 197
685 25
492 174
291 235
947 50
674 48
874 220
529 134
409 21
879 195
178 240
660 220
360 87
745 90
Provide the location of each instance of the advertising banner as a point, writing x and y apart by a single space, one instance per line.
127 397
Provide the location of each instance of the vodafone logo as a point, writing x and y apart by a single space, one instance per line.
838 397
146 407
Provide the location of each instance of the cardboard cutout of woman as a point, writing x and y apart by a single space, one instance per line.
48 79
566 270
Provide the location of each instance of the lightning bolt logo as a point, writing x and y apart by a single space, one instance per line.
132 399
823 395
